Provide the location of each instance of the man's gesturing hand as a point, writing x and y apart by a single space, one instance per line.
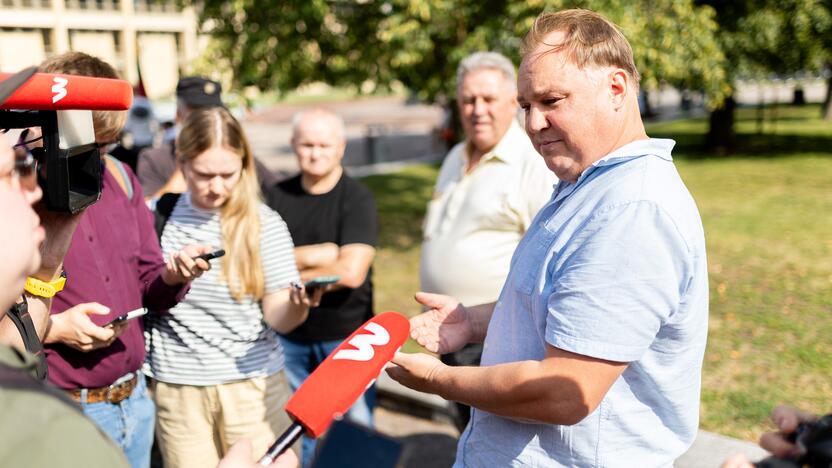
445 327
417 371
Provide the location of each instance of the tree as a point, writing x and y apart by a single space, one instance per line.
282 45
764 37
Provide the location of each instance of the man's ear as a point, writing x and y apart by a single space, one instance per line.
619 86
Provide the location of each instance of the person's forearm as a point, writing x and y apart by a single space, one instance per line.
160 296
519 390
316 255
285 316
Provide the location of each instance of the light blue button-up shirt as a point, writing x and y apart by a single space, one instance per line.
613 267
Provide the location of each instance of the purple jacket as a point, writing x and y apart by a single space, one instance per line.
114 259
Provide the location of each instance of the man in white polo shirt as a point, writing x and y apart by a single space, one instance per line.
489 188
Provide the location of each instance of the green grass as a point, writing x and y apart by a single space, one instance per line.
767 211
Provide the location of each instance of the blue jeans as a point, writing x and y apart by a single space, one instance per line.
129 423
301 359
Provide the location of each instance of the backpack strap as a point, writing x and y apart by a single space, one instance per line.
19 315
164 207
118 171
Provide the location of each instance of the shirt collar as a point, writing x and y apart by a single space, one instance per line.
659 147
507 148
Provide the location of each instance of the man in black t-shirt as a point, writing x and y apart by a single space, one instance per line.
333 222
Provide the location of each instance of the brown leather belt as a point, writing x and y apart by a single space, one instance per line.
114 393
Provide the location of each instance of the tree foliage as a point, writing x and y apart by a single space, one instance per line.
282 45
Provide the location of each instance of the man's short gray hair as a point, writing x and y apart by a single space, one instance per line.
298 117
487 61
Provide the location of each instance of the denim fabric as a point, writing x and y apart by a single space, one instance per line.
300 360
129 423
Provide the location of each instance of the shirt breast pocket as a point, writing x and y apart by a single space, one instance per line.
529 264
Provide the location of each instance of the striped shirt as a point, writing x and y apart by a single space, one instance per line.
209 338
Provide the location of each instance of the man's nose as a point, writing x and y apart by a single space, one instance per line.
479 106
535 120
316 152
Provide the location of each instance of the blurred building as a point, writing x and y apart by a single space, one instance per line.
153 37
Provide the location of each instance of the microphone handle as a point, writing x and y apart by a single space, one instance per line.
283 442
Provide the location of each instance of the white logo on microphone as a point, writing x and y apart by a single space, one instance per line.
59 88
364 344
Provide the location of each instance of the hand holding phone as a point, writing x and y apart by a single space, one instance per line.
125 317
211 255
320 282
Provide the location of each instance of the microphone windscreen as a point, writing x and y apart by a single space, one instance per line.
46 91
340 380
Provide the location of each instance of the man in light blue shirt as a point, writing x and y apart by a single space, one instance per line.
593 352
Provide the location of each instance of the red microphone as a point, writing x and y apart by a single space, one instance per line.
344 375
46 91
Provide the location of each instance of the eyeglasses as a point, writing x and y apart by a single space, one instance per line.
22 142
24 169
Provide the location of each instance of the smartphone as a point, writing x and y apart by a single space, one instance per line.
125 317
212 255
319 282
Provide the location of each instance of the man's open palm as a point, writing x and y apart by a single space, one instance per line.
444 327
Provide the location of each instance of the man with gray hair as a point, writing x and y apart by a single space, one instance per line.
489 188
333 222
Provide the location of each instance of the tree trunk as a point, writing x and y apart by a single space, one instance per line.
722 138
827 103
647 109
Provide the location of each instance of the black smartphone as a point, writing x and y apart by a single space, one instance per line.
319 282
211 255
125 317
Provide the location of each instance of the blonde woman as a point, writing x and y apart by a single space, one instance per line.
216 359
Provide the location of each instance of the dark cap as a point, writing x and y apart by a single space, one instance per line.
196 91
10 84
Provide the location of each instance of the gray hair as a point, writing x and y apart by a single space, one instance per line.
339 122
487 61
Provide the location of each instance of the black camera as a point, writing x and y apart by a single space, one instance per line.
70 167
815 442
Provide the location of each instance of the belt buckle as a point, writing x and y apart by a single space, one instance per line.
108 393
117 386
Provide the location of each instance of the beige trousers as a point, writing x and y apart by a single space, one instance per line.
196 425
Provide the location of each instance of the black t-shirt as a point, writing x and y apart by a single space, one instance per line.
344 215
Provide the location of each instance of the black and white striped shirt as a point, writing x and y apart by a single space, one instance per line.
209 338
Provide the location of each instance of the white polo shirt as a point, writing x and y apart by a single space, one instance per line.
475 221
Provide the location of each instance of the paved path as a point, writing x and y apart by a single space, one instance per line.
378 130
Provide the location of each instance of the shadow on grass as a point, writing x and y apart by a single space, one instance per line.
788 131
692 145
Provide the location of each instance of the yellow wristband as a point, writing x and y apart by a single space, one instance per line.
40 288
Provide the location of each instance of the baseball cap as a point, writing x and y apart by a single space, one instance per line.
10 84
196 91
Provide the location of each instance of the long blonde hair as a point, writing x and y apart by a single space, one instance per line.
202 130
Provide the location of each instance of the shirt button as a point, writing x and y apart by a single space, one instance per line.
106 279
90 238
